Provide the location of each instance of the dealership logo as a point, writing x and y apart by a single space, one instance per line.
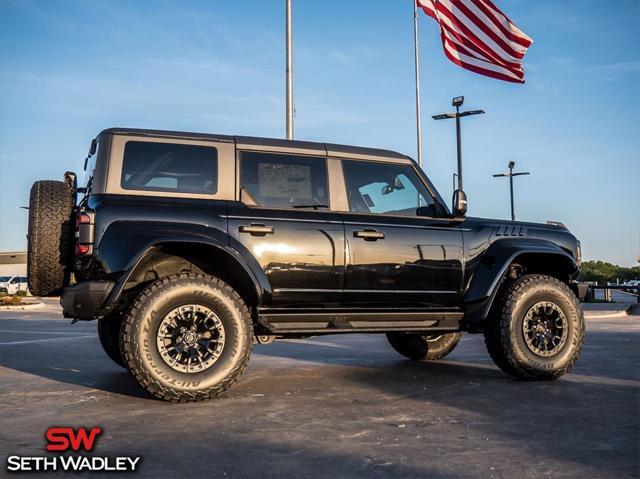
72 441
65 438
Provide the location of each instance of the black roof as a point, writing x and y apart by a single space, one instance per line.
329 148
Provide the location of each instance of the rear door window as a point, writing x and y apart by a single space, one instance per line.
278 180
170 167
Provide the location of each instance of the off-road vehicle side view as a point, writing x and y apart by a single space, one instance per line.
190 248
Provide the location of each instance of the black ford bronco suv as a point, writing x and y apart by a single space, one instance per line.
189 248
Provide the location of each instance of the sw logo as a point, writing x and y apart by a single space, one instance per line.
73 441
65 438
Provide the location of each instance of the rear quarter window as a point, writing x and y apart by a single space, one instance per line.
169 167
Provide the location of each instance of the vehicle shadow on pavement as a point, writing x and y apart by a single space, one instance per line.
72 365
589 417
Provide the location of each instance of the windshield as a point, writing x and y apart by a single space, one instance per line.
4 279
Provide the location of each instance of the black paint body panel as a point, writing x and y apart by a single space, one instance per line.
418 261
302 258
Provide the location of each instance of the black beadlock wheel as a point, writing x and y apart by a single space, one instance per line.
536 330
109 335
419 347
187 337
50 237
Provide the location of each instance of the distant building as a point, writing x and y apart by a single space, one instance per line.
13 263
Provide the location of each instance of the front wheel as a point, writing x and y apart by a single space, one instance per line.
537 328
187 337
419 348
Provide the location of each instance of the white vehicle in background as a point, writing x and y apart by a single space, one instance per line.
632 284
13 284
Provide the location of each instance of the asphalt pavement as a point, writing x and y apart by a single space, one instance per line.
332 406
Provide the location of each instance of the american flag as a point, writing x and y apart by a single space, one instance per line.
477 36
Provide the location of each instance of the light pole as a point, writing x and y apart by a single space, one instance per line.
289 72
457 102
510 175
416 59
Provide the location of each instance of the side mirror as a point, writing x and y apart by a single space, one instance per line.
459 204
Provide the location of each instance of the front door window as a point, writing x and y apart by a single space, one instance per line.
384 188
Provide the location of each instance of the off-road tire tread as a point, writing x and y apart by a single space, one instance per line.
432 356
497 331
401 344
50 237
133 361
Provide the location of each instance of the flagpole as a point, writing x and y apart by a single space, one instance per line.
417 74
289 82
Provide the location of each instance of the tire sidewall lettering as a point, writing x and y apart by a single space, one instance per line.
149 314
519 305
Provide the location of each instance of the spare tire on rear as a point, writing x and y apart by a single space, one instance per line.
50 237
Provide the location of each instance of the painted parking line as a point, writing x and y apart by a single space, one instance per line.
36 319
15 343
35 332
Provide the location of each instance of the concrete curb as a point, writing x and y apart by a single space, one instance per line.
22 307
626 310
596 315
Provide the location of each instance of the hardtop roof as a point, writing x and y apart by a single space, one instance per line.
329 149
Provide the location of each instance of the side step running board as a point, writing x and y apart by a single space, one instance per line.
337 322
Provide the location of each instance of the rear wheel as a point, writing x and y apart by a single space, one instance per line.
536 331
109 335
187 337
50 237
420 348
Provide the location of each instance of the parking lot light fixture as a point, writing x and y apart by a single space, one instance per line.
510 175
457 102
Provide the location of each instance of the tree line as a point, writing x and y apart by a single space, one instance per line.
604 272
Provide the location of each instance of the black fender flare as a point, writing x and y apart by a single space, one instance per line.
493 266
122 257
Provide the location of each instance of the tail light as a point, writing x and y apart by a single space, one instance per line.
82 249
84 232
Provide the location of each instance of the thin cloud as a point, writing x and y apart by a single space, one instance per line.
622 67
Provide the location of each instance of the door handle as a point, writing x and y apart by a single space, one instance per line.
256 229
369 235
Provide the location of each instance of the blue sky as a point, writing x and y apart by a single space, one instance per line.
71 68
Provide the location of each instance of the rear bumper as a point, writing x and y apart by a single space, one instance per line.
84 300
